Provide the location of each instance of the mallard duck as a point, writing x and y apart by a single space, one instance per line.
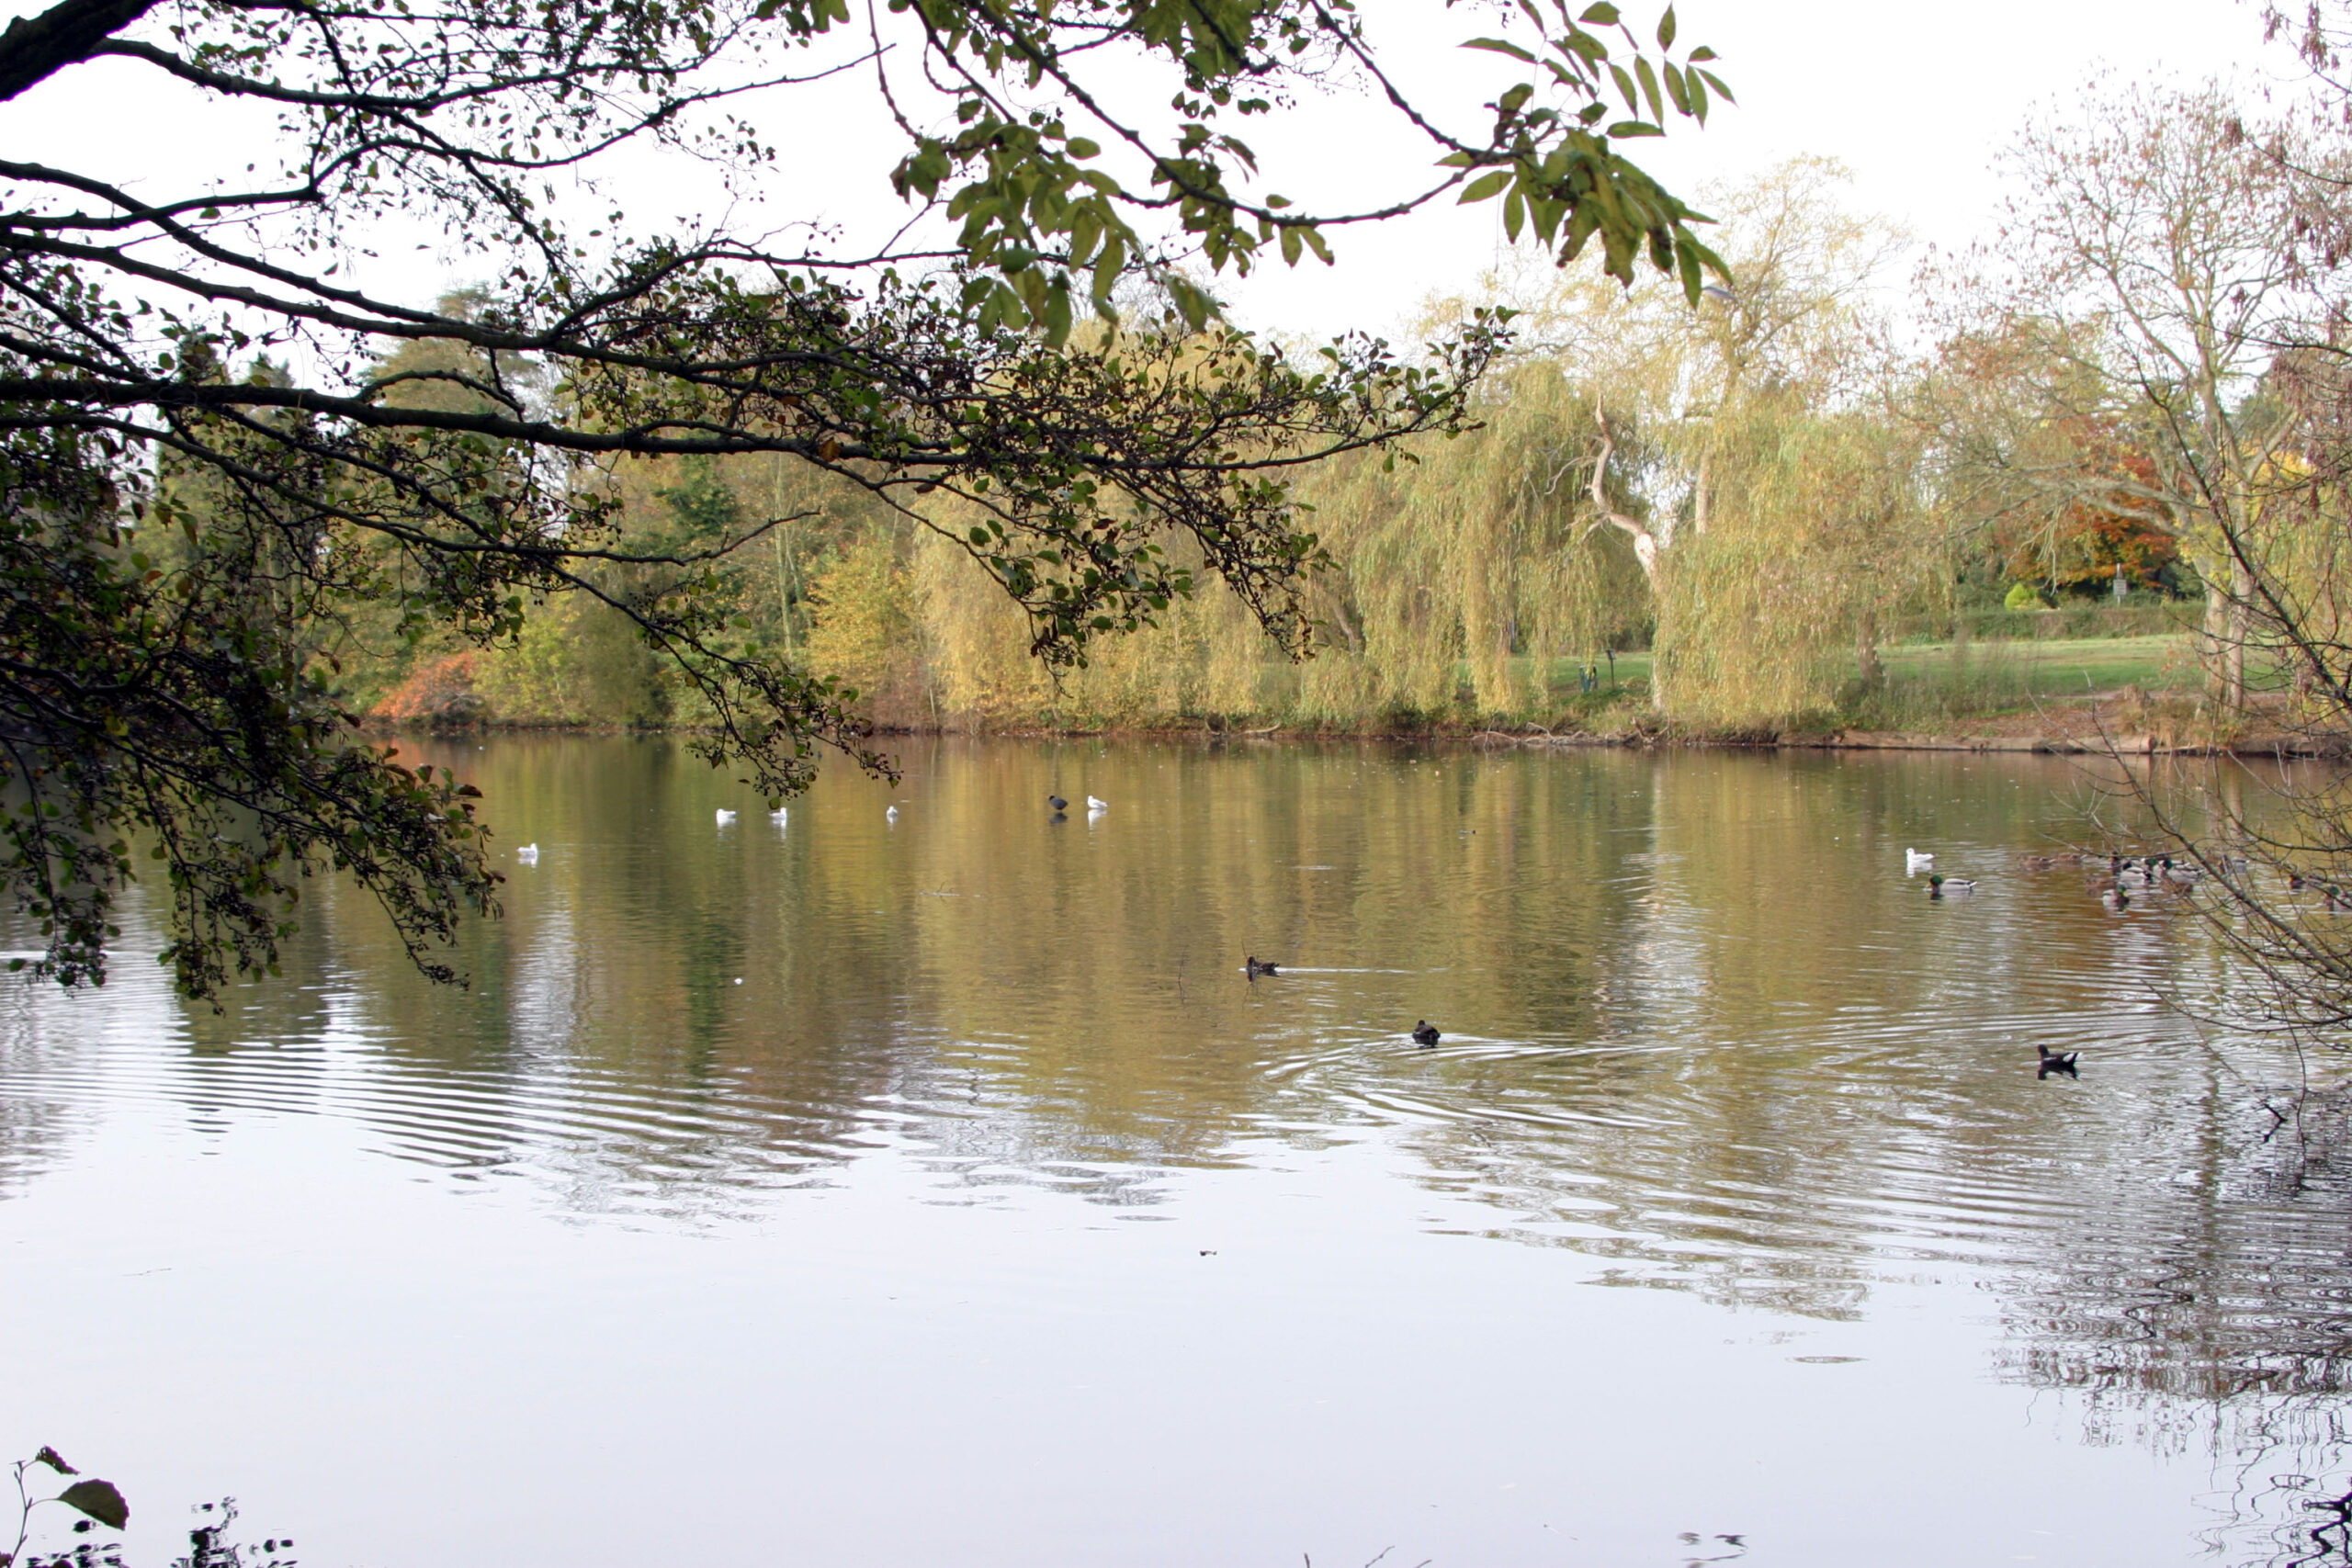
1255 968
1425 1034
1057 803
2181 875
2115 898
2057 1061
2037 862
1914 861
1959 887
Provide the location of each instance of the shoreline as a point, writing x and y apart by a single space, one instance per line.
2047 733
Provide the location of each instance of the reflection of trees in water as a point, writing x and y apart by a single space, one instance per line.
2201 1301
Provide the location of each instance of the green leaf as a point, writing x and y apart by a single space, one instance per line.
99 1500
1666 30
50 1458
1675 90
1484 187
1080 147
1603 15
1501 46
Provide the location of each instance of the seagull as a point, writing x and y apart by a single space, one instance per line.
780 816
891 814
1915 862
2057 1061
1057 803
725 817
1425 1034
528 855
1094 805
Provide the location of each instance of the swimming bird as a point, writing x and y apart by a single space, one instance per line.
1255 968
2182 876
725 817
2115 898
891 814
528 855
1914 862
1057 803
1094 805
780 816
1956 886
2057 1061
1425 1034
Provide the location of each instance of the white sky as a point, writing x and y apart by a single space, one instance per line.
1915 99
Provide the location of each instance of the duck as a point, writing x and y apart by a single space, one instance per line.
528 855
725 817
2181 875
1425 1034
1094 805
780 816
891 814
1956 886
2057 1061
1255 968
1914 861
1057 803
2037 862
2115 898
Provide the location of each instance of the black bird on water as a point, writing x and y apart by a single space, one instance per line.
2057 1061
1255 968
1057 803
1425 1034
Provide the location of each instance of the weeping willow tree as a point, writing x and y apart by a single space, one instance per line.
1817 532
1743 454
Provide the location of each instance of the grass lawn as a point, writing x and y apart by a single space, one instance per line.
2049 670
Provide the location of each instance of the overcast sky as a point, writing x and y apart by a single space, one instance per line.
1916 99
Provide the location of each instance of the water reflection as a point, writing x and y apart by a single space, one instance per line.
1699 1028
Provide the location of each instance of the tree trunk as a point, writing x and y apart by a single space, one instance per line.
2223 635
1866 651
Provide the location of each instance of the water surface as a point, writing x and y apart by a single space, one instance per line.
847 1192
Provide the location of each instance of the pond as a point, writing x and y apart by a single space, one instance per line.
846 1190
